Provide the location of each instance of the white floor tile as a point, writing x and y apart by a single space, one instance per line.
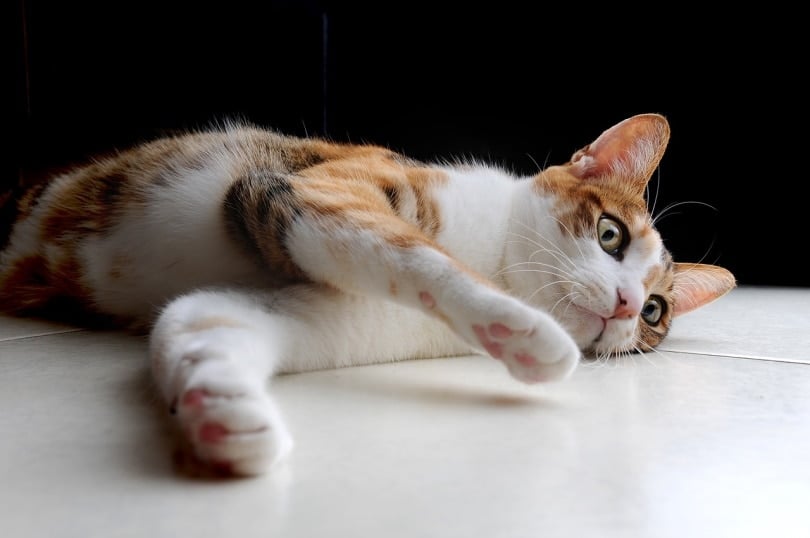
659 445
12 328
750 322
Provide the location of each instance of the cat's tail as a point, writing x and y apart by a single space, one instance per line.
14 199
8 213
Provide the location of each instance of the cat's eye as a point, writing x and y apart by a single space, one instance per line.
612 235
653 310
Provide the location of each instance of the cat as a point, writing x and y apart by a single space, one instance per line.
247 253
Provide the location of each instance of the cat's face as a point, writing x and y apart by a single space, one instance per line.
594 261
583 246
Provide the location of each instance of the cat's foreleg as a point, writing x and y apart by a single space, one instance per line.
212 353
392 260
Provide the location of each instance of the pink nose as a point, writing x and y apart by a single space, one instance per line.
627 305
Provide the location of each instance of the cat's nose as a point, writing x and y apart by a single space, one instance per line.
628 305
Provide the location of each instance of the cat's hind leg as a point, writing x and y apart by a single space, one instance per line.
212 353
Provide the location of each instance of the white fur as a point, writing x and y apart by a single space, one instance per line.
479 199
389 309
180 243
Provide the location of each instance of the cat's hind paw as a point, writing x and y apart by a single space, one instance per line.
232 433
233 430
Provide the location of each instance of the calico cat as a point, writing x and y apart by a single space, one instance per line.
250 253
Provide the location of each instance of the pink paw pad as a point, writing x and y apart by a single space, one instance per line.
212 432
499 330
194 398
427 300
525 359
493 348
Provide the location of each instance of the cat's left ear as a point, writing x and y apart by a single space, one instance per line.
697 284
629 151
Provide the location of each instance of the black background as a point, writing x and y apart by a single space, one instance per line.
519 87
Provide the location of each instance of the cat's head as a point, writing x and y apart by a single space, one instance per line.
583 245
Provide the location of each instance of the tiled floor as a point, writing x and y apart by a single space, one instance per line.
710 438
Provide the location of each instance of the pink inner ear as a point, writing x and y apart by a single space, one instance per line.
603 155
698 284
632 149
687 300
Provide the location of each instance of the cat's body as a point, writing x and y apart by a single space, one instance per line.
261 253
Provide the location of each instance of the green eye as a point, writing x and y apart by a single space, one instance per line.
612 235
653 310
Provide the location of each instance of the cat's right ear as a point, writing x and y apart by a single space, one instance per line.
628 152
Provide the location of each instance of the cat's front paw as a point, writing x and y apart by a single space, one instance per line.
532 345
232 427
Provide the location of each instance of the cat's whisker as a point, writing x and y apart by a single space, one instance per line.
657 352
619 358
534 231
567 258
560 279
564 261
706 255
655 196
556 304
539 168
660 218
550 247
667 211
513 270
568 274
640 353
574 294
539 250
603 358
541 288
570 233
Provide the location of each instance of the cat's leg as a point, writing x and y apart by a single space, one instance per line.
385 257
348 235
212 353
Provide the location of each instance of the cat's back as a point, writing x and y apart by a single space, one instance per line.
124 232
91 195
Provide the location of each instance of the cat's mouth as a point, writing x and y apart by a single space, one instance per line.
591 325
595 335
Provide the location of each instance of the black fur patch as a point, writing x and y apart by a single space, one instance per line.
258 209
392 193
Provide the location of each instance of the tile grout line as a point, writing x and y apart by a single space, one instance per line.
728 356
38 335
686 352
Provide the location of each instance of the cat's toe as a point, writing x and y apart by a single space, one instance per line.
531 344
239 434
528 368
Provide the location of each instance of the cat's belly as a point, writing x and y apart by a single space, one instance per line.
132 274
